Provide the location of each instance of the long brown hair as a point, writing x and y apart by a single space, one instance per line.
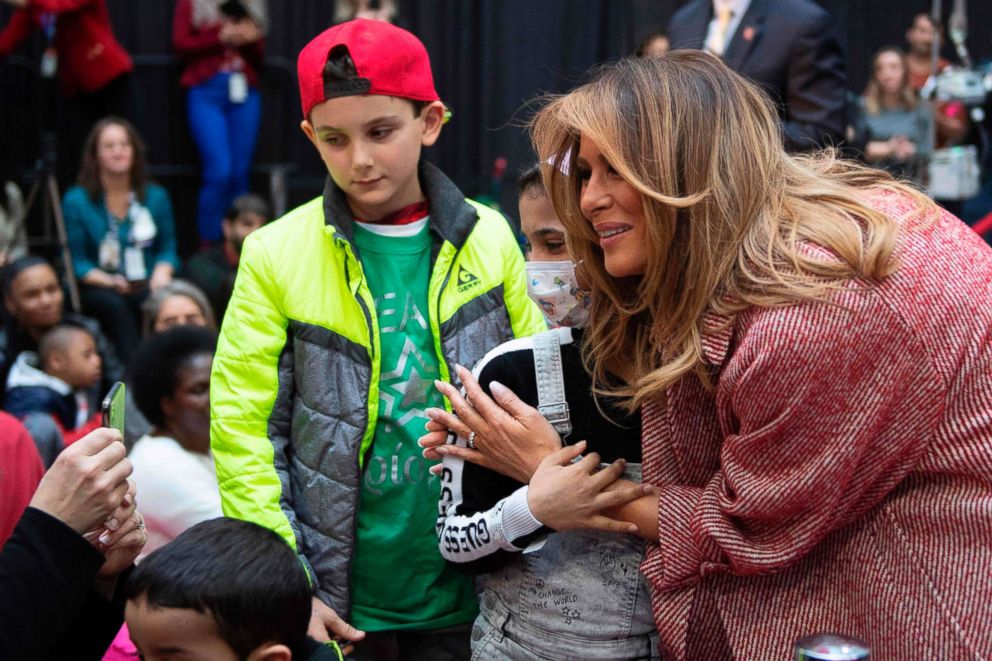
89 172
729 214
873 91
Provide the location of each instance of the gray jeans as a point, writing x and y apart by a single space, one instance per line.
581 596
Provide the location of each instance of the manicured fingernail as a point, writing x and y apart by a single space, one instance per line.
128 500
432 413
459 368
439 384
498 388
632 529
580 444
441 449
113 524
104 538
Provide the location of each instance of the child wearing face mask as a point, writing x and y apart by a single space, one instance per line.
57 381
589 588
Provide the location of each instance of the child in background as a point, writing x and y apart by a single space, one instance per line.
57 381
343 313
222 590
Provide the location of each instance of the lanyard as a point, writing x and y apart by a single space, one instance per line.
48 20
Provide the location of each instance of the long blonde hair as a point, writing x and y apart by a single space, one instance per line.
727 212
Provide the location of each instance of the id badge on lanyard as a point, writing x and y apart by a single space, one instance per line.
50 58
110 251
134 264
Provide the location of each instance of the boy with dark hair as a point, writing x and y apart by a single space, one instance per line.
222 590
214 270
343 314
57 381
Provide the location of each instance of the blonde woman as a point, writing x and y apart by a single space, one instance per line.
894 125
810 345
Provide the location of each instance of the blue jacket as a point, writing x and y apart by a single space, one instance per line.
87 223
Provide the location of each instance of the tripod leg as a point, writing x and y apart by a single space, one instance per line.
55 202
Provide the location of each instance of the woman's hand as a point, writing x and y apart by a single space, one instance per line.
511 437
566 496
87 482
130 538
161 276
114 281
239 33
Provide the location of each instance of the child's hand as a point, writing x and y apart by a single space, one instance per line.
324 622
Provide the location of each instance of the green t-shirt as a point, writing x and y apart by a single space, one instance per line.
398 578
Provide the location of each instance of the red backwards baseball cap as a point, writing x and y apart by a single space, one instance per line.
389 61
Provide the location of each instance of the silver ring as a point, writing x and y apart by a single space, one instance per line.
471 440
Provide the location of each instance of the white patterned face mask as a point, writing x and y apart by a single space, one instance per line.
554 287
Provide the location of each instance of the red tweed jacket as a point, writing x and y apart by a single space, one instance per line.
839 477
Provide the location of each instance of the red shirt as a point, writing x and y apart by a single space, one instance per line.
204 55
20 472
89 56
839 477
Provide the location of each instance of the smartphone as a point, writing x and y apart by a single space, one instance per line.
234 10
113 408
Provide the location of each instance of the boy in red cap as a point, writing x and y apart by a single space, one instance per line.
343 314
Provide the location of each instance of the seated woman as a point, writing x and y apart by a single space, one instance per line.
35 303
120 230
178 303
173 469
893 124
548 596
808 343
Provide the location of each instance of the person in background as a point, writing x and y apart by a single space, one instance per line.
223 590
178 303
951 117
120 230
654 44
58 382
22 471
62 568
221 44
173 468
93 69
789 47
214 270
35 304
920 36
746 301
894 125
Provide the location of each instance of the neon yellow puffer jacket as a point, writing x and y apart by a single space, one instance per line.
295 387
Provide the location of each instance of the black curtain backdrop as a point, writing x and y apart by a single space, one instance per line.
491 60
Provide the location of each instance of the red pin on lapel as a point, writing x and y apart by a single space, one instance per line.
748 33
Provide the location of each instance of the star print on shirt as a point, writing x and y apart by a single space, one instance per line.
410 381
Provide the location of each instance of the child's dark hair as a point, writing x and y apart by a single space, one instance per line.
59 338
530 182
341 78
241 574
248 203
158 360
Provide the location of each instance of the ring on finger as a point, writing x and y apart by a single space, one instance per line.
471 440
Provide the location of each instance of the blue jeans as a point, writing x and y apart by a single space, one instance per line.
225 133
